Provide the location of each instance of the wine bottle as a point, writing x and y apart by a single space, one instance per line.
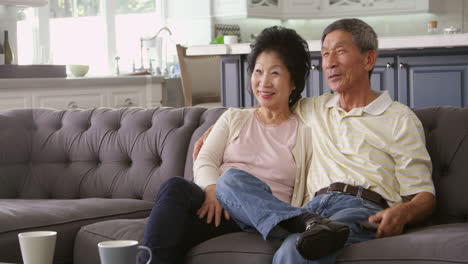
7 49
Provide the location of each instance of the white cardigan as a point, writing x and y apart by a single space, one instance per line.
226 129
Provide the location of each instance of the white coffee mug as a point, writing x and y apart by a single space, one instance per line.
37 247
230 39
121 252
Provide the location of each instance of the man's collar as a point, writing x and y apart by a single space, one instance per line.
376 107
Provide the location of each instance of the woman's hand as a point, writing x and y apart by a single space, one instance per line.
211 207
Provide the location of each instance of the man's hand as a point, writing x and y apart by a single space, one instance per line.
392 221
211 207
199 144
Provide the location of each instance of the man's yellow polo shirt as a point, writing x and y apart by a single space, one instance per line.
380 147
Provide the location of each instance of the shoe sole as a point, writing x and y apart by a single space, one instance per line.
315 245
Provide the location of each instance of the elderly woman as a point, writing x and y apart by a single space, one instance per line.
268 146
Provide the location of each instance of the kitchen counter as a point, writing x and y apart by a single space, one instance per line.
90 92
385 43
38 83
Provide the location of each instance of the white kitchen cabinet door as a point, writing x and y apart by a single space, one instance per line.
264 8
70 99
300 9
247 8
335 8
127 97
9 100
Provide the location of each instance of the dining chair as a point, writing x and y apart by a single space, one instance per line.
201 80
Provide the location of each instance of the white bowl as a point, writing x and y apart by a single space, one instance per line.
78 70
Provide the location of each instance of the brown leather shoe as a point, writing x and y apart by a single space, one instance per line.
322 237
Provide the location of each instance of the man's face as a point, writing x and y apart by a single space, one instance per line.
345 67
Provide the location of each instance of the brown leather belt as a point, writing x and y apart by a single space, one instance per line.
354 190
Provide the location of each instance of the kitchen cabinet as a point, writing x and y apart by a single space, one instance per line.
433 80
291 9
247 8
383 76
69 98
83 93
233 81
13 99
308 9
316 83
415 77
336 8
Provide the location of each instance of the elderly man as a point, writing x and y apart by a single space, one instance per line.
364 144
370 173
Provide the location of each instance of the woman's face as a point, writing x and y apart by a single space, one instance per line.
271 81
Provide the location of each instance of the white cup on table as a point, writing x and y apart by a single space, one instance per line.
37 247
121 251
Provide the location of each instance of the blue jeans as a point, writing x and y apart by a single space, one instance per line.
250 203
173 226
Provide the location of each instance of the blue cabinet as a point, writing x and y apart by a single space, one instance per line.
417 78
383 76
232 80
316 83
425 81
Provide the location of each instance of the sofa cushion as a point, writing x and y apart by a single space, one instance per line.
88 237
240 247
64 216
436 244
20 214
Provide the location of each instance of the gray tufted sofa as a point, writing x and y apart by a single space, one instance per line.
92 175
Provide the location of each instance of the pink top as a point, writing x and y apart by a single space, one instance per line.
265 151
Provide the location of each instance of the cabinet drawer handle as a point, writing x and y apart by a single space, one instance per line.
128 102
72 105
402 65
314 67
389 65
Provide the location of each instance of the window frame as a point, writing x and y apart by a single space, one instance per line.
41 33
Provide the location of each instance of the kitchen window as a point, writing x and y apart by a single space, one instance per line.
90 32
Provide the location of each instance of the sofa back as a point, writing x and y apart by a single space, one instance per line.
446 130
128 153
101 153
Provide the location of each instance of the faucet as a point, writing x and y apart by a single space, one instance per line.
150 38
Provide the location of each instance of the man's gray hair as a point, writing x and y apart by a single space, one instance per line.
362 34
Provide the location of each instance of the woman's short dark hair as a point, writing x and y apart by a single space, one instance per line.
291 48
